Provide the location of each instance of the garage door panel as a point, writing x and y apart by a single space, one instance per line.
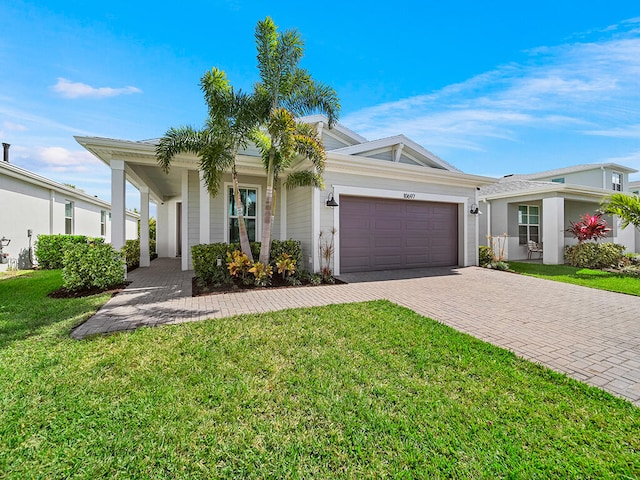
383 234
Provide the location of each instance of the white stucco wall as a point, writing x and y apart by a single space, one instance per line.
38 204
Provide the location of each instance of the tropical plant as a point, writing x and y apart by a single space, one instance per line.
232 117
285 92
239 264
590 227
286 265
627 207
326 249
261 273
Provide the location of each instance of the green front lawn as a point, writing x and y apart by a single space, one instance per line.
581 276
365 390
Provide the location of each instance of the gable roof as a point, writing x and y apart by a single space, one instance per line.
19 173
575 169
398 149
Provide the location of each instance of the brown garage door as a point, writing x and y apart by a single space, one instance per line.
384 234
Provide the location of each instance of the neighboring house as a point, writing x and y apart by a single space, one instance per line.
539 207
400 206
31 205
634 187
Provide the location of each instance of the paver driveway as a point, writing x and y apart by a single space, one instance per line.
558 325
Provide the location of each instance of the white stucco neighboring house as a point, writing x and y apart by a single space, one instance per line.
399 205
540 207
32 205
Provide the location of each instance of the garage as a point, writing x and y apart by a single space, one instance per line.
388 234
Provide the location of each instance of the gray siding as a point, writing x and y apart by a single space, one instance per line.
193 211
299 220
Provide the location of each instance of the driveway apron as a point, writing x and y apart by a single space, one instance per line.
591 335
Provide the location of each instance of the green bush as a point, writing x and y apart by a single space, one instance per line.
594 255
50 249
92 265
293 248
485 256
131 253
205 258
205 263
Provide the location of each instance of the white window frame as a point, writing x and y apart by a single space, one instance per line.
71 218
258 189
616 181
529 224
103 223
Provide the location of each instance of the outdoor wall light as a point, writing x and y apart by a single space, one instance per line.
474 209
331 202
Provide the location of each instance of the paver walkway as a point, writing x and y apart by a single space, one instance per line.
591 335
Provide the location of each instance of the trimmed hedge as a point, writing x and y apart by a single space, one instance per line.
131 252
594 255
205 258
92 265
50 249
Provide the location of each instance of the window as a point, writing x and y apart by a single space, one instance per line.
68 218
103 223
249 197
616 181
528 223
558 180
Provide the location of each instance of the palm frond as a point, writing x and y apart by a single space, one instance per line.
176 141
304 178
627 207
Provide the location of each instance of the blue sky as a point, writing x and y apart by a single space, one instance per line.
491 87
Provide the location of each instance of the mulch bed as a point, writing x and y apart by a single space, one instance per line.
64 293
276 282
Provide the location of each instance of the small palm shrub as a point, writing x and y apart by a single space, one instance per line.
92 265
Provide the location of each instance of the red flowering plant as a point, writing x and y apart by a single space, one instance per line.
590 227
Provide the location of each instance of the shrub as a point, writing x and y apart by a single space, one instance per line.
92 265
293 248
205 263
131 253
50 249
594 255
485 256
205 258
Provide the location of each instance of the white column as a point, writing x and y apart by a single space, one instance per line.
52 206
185 220
315 219
205 212
553 230
625 236
118 204
144 227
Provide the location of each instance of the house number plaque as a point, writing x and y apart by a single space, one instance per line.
409 196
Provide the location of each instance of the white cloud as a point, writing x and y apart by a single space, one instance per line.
628 131
586 87
14 127
69 89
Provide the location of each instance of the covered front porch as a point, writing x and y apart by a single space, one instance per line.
543 217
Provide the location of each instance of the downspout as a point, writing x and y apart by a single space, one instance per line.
477 229
604 178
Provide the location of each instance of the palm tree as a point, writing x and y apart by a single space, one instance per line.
232 118
627 207
285 92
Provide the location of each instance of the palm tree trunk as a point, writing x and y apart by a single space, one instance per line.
265 246
242 227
